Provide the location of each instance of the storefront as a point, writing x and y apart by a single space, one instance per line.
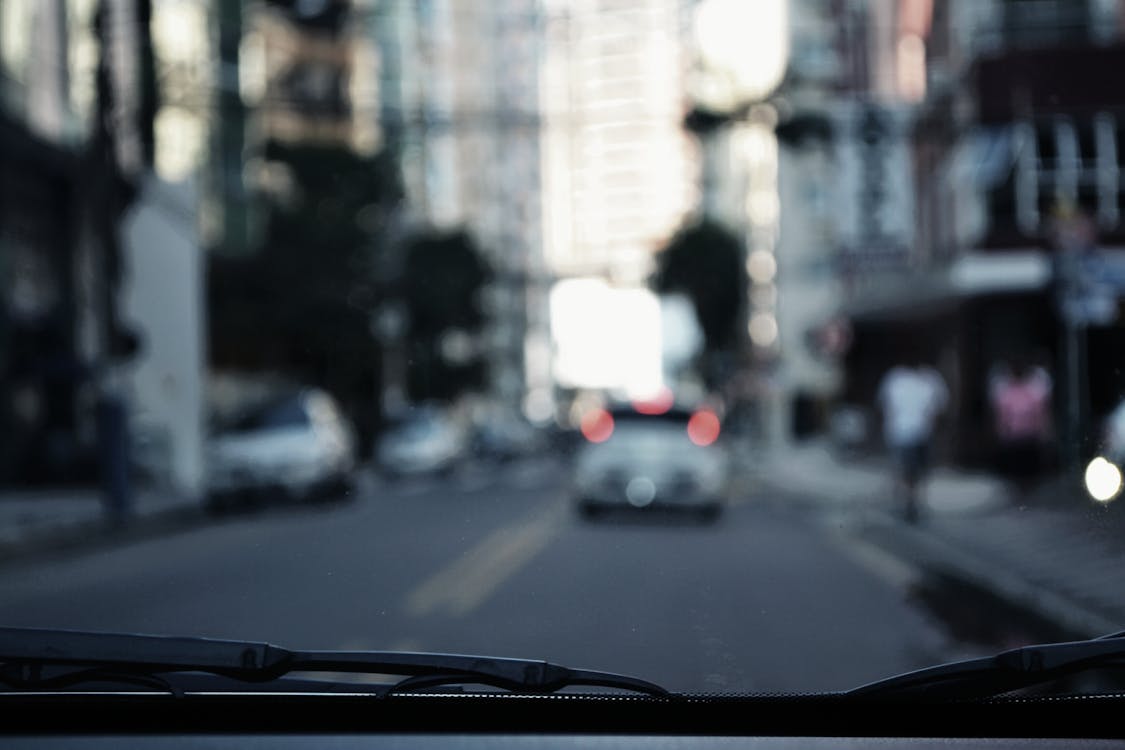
984 313
39 371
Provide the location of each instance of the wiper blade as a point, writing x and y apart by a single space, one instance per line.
1014 669
32 658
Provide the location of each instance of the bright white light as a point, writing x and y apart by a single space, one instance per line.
180 138
763 329
763 205
743 47
911 66
252 67
762 266
1103 480
606 337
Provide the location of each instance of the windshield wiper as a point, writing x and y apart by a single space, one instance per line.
46 659
1014 669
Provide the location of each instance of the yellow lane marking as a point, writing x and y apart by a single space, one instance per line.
468 581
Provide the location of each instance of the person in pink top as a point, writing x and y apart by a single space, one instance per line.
1021 408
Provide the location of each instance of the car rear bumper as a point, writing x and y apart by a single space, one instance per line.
640 492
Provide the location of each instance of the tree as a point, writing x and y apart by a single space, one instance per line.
443 284
705 262
302 303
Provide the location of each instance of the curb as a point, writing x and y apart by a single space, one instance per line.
90 534
931 553
940 556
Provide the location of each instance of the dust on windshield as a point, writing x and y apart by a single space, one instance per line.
735 346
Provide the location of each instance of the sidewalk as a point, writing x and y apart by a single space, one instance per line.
1056 555
42 519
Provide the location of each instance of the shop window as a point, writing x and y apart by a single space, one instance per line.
1046 145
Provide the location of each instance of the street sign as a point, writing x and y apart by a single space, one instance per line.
1099 268
1098 307
1092 281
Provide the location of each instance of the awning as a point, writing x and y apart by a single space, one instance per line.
941 292
1016 271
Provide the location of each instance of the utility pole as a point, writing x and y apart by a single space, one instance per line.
149 93
1074 239
107 206
231 133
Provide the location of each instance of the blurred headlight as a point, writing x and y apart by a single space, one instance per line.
1103 480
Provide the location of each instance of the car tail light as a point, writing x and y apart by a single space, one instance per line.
597 425
703 428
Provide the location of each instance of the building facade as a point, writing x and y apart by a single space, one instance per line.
1018 152
66 74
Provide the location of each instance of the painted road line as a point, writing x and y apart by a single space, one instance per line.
474 480
882 564
468 581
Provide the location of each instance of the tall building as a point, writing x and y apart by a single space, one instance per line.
739 57
461 107
72 131
551 131
308 72
184 51
618 168
846 247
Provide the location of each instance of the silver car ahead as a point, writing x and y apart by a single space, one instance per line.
639 458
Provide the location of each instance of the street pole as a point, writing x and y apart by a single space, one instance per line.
1074 239
231 131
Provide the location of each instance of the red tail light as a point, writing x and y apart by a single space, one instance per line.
703 428
597 425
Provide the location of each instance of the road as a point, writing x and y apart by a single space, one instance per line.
772 597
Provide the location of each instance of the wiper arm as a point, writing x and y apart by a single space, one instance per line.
1014 669
30 658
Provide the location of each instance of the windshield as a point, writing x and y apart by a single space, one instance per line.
769 345
288 413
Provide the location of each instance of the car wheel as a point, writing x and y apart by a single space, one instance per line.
216 505
342 489
710 512
590 509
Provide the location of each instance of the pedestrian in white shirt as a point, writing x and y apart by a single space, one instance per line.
912 398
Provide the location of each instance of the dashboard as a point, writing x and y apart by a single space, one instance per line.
509 742
507 721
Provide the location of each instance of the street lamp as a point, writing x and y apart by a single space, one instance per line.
742 50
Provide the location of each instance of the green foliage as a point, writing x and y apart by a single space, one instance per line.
445 275
443 284
705 262
302 303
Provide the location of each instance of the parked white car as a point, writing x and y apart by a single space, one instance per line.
297 446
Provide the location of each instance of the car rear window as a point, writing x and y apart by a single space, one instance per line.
279 414
674 416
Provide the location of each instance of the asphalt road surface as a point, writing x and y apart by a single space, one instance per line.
494 560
